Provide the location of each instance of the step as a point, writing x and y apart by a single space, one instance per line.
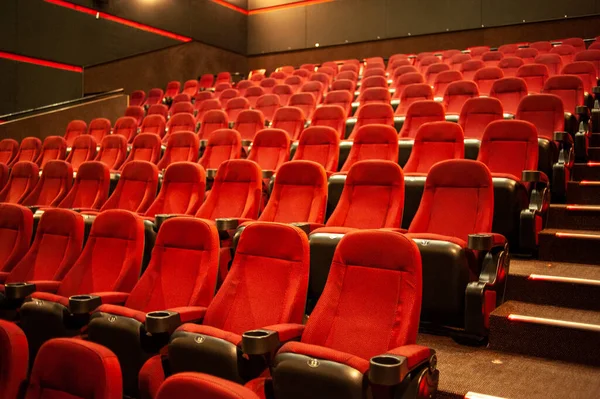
550 332
594 153
571 285
586 171
564 245
595 140
575 217
585 192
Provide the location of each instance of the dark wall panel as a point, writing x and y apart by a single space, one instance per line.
219 26
279 30
8 25
8 86
517 11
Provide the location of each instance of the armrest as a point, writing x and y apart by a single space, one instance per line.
46 285
395 230
485 241
19 290
535 176
160 218
308 227
163 321
267 174
225 224
190 314
211 173
112 298
563 137
267 340
287 331
82 304
392 367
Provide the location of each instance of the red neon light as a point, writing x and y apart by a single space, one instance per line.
287 6
231 6
37 61
119 20
593 163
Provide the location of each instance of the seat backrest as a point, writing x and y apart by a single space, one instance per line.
468 68
227 94
23 178
83 149
182 190
16 226
126 126
181 107
172 89
236 105
270 149
8 150
323 78
136 188
577 43
53 186
509 91
373 72
279 76
543 47
527 54
181 123
442 80
457 60
290 119
205 106
223 144
585 70
319 144
373 81
222 87
55 248
14 360
342 98
190 87
206 81
181 98
294 82
545 111
401 71
315 88
181 147
332 116
252 94
154 124
370 114
405 80
90 189
155 96
99 128
425 62
492 58
305 102
212 120
112 257
345 81
240 181
183 267
535 75
433 70
458 200
569 88
135 112
284 92
552 61
248 123
411 93
272 280
485 78
592 56
257 77
268 104
374 95
478 51
435 142
137 97
376 278
457 93
508 49
477 113
267 84
4 173
509 147
158 109
509 65
566 53
299 194
418 113
29 150
373 142
201 97
223 77
199 385
54 148
75 368
372 198
242 85
74 128
145 147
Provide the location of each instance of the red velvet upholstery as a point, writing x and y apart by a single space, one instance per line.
315 88
172 89
212 120
457 93
126 126
73 368
492 58
465 187
205 106
478 51
510 65
55 248
406 79
267 84
158 109
370 114
270 149
180 123
565 52
180 98
527 54
535 75
136 188
201 97
577 43
412 93
225 92
322 78
552 61
509 91
8 151
435 142
442 80
223 77
113 151
509 147
197 385
299 194
155 96
268 104
223 144
401 71
206 81
421 112
242 85
252 94
585 70
83 149
333 116
470 67
29 150
477 113
290 119
137 113
54 148
284 92
182 107
374 95
427 61
99 128
348 84
4 172
182 190
190 87
236 105
90 189
248 123
321 145
592 56
508 49
486 77
137 97
16 225
569 88
145 147
373 142
182 146
74 128
14 360
240 181
53 186
545 111
305 102
295 82
374 185
23 178
342 98
543 47
457 60
433 70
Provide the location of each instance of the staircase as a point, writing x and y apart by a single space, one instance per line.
553 304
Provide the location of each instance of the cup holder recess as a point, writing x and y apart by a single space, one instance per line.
387 370
224 224
82 304
260 342
480 242
162 321
18 290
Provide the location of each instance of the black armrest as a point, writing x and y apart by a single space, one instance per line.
224 224
582 111
211 173
260 342
388 370
267 174
83 304
563 137
246 143
305 227
203 143
163 321
33 208
159 219
18 290
480 242
534 176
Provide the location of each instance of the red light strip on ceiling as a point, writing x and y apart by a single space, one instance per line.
300 3
37 61
119 20
231 6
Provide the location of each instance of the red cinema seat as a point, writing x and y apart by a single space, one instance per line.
341 98
457 93
158 109
222 145
83 150
16 227
180 123
248 123
509 91
206 81
226 94
577 43
253 93
257 77
592 56
172 89
370 114
74 128
586 71
534 75
8 151
284 92
290 119
510 65
23 178
442 80
155 96
305 102
477 113
137 98
322 78
127 127
236 105
478 51
53 186
545 111
295 82
181 147
267 84
373 81
190 87
332 116
90 188
181 98
29 150
54 148
14 361
135 112
393 64
212 120
509 49
99 128
181 108
492 58
223 77
418 113
435 142
198 385
566 53
319 144
4 173
569 88
374 95
426 62
433 70
527 54
486 77
457 60
279 76
315 88
200 97
267 104
405 80
243 85
552 61
448 54
470 67
345 81
208 105
145 147
543 47
401 71
136 188
413 93
155 124
270 149
374 141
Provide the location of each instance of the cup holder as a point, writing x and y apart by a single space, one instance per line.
260 342
162 322
211 174
387 361
224 224
18 290
387 370
159 315
480 242
82 304
305 227
267 174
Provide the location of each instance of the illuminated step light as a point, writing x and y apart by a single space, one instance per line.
561 279
554 322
